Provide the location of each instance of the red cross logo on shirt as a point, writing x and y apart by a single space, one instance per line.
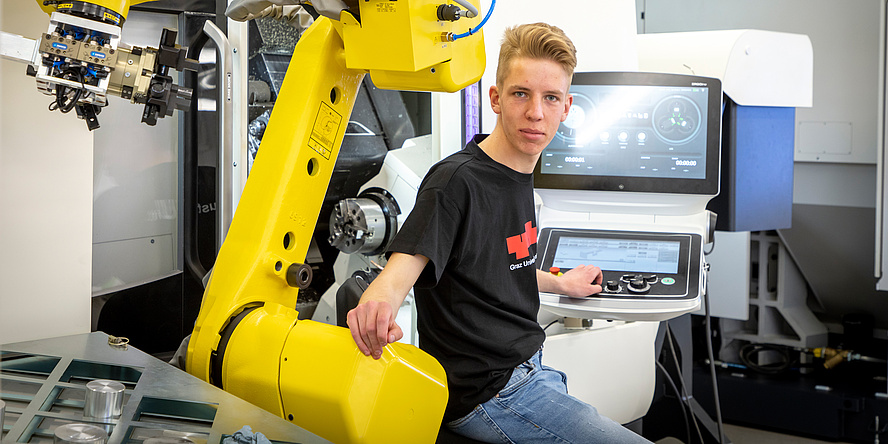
520 244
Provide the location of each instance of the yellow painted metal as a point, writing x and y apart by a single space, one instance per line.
250 370
118 6
449 76
404 46
271 230
397 36
276 215
312 373
348 397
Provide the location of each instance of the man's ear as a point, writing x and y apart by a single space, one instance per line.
567 104
493 92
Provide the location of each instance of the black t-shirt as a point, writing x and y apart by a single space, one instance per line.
477 299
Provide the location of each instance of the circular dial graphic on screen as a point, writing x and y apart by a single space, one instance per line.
677 119
581 113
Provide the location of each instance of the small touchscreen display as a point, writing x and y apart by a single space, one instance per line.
644 256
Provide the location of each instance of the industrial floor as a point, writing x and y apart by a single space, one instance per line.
745 435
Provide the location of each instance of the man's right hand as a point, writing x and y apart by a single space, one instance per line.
373 326
372 322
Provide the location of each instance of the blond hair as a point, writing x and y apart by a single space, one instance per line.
535 41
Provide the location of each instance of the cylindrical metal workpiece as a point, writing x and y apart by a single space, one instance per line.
80 434
104 399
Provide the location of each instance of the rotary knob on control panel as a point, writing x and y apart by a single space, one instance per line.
612 286
638 285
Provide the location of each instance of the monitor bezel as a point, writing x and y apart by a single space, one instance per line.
709 185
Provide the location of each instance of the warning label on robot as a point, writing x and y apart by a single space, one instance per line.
386 7
324 131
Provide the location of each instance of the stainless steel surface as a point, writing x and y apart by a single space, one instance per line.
225 111
80 434
47 381
140 175
357 225
104 399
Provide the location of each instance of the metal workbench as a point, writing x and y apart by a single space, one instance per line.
43 384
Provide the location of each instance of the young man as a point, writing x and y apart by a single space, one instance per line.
469 249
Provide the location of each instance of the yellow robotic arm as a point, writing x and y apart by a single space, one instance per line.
111 11
248 338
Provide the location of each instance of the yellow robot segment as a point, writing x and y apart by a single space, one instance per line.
275 218
247 338
404 46
113 11
353 398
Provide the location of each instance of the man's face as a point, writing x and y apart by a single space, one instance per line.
531 103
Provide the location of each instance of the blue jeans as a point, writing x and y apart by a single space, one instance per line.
535 407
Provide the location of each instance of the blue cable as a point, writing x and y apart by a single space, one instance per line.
98 36
78 32
472 31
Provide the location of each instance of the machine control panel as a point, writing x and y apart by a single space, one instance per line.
635 265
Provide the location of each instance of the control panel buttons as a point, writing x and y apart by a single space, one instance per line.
639 285
636 284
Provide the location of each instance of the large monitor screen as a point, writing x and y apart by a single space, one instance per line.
641 132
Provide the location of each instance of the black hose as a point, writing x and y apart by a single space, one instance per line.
65 100
749 352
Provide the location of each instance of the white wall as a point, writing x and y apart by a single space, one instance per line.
46 172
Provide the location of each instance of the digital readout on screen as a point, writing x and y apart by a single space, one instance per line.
631 131
639 256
